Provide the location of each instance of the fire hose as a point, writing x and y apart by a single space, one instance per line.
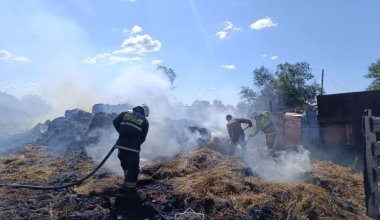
78 182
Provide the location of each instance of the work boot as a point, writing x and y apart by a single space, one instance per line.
131 194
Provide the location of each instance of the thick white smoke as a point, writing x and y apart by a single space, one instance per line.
288 166
169 131
18 115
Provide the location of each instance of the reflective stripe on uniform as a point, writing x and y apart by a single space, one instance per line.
130 124
271 133
132 118
131 184
127 148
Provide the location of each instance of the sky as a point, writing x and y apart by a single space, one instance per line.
76 51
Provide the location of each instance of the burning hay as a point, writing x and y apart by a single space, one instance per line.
212 184
329 191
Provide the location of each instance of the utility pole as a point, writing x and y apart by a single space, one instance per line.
322 78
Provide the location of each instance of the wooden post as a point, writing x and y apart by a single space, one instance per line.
371 170
322 79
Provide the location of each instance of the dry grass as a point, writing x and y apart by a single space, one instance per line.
330 192
97 186
219 180
35 166
188 163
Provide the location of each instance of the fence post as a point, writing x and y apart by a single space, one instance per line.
371 169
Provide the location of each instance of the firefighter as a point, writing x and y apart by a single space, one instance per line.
265 124
132 127
236 133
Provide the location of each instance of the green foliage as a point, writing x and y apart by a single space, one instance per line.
247 95
262 77
291 86
169 72
374 73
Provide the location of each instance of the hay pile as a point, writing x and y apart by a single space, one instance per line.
218 186
34 165
329 191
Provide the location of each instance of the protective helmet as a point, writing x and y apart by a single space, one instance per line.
228 117
255 115
146 109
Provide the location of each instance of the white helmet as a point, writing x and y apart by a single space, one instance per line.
146 110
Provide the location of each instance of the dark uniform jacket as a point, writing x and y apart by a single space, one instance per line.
234 128
133 128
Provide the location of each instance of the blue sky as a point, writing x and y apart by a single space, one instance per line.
50 47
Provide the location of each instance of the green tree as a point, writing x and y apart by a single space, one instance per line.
291 86
374 73
295 86
266 82
247 95
169 72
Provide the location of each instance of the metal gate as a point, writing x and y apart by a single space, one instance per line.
371 125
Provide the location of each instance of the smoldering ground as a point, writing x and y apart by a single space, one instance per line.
290 164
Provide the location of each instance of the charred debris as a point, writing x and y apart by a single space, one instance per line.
204 180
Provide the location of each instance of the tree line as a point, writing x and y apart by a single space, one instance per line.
290 86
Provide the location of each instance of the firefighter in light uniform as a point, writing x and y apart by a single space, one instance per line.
133 129
237 133
265 124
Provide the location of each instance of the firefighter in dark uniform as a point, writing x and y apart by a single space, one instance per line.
265 124
133 129
236 133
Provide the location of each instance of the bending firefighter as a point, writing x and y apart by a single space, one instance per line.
133 129
264 124
236 133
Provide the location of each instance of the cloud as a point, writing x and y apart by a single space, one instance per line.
230 66
135 29
228 27
265 22
273 57
135 45
221 34
109 59
212 88
156 62
11 87
139 44
31 86
6 55
264 55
